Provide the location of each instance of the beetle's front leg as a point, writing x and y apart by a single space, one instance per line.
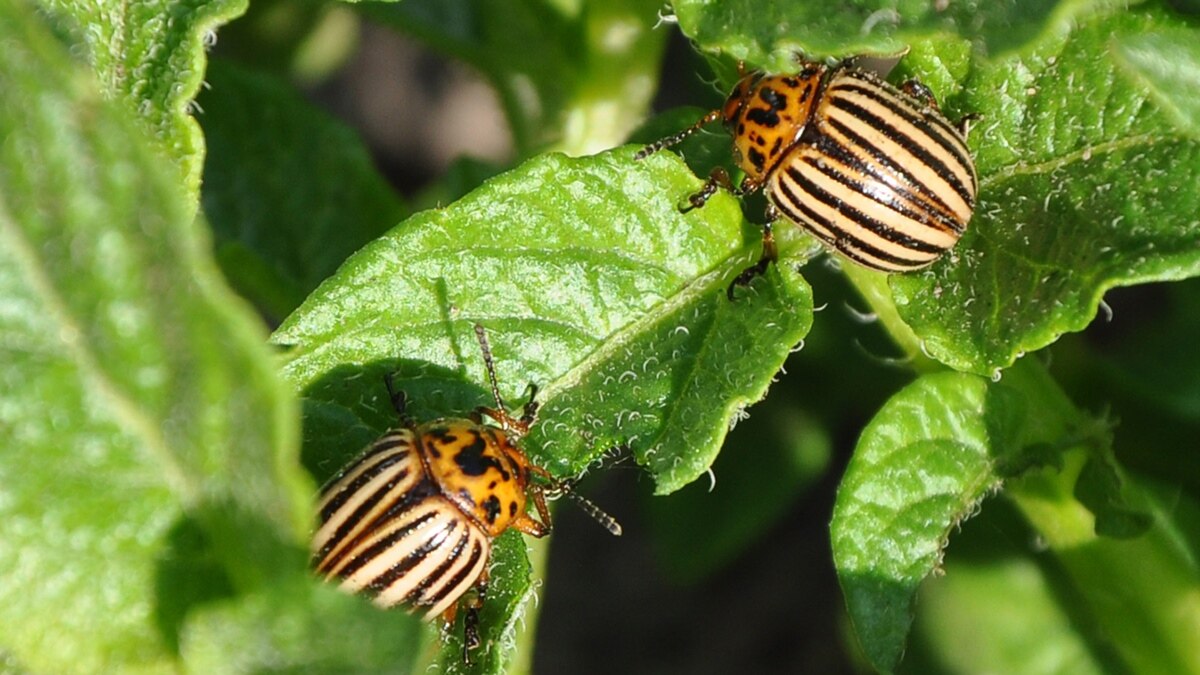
769 253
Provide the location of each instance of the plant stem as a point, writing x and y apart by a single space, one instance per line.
620 76
873 287
1143 592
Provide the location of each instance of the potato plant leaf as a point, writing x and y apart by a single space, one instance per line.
1085 184
918 469
148 471
769 35
1167 62
923 465
1086 149
150 56
591 284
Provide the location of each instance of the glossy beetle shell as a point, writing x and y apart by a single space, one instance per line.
871 170
411 521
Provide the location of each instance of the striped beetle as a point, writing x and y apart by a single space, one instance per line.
411 521
873 171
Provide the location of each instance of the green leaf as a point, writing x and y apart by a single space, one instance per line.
572 76
130 378
768 35
914 476
1167 63
290 192
944 443
1000 607
1064 211
148 472
300 628
921 467
150 57
585 275
591 284
1085 184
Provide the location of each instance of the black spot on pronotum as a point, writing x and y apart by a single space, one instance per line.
438 436
763 116
757 158
776 100
512 509
491 508
473 459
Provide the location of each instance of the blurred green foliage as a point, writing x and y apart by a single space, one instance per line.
159 458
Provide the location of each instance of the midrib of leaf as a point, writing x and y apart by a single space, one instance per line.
133 419
612 344
576 254
1082 154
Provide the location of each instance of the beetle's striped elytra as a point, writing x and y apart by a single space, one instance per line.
410 522
874 171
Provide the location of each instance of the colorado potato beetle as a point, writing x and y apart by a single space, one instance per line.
411 521
874 171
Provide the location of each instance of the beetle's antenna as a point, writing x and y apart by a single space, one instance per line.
558 488
490 365
517 425
606 521
678 138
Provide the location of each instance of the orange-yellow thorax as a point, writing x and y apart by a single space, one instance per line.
479 469
766 115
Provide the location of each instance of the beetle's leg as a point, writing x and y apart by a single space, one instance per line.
748 186
398 398
917 90
524 523
769 253
529 412
539 501
717 180
471 639
965 122
449 615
